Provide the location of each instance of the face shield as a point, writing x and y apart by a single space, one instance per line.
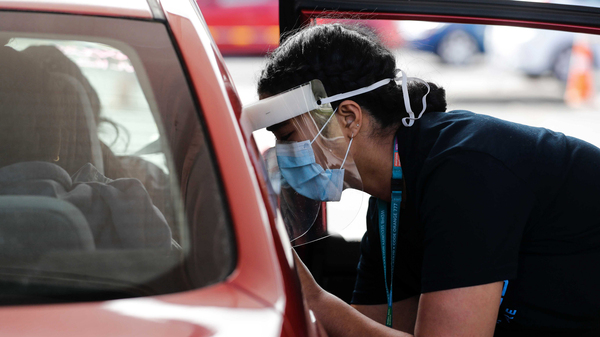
311 162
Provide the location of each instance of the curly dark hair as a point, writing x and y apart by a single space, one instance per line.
346 57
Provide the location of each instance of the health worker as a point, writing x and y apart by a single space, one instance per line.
476 226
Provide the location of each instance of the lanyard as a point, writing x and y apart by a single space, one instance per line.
382 209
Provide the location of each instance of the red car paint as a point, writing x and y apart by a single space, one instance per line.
242 27
262 296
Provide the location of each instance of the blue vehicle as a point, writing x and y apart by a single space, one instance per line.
454 43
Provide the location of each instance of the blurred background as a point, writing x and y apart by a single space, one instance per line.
530 76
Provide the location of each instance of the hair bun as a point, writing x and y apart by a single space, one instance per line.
345 58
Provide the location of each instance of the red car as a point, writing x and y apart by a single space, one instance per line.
484 90
129 202
241 26
251 27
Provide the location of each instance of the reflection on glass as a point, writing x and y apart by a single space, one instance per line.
91 206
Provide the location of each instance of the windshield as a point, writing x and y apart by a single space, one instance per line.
101 159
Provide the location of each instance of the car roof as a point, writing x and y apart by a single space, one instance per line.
120 8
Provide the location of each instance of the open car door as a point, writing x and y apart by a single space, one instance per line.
538 65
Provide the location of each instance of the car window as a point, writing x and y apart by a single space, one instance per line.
108 187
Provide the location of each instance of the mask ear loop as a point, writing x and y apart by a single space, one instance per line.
323 128
324 125
347 151
411 115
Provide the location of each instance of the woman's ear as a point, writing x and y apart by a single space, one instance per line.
351 115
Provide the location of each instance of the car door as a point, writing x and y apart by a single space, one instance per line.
539 68
129 201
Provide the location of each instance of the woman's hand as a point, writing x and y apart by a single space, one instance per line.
337 317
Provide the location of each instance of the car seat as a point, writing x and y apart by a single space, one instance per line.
85 109
34 225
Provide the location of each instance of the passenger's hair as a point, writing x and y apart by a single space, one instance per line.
76 143
345 58
52 59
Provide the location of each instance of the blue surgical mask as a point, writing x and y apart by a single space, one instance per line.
300 170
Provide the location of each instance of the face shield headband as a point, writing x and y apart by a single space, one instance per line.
310 96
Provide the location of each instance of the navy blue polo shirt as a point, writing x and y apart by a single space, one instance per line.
488 200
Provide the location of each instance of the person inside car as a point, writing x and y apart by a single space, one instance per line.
155 181
41 137
476 226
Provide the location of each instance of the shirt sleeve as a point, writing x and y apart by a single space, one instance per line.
473 210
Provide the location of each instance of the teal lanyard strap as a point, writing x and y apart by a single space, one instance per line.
382 208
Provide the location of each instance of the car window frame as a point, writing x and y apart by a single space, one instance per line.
116 40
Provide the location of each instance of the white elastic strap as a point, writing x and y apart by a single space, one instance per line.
407 121
323 128
324 125
356 92
347 151
411 115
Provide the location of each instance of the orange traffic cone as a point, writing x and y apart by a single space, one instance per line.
580 83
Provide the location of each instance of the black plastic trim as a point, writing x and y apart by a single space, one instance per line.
570 15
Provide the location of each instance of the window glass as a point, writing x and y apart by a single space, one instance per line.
101 159
127 126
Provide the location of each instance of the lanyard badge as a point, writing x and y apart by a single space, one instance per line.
382 210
